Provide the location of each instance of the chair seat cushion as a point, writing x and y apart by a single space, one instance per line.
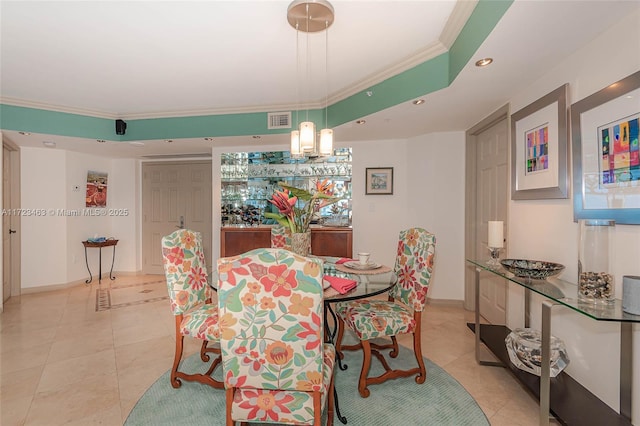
376 318
201 323
279 406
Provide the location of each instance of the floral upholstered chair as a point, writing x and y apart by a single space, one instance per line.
402 313
190 296
280 237
276 367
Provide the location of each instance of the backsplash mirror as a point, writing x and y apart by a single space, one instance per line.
249 179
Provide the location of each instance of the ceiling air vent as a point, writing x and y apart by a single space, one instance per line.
279 120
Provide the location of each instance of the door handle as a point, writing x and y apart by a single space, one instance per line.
11 231
181 225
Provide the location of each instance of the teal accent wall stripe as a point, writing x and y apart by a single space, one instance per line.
482 21
56 123
434 74
424 78
210 125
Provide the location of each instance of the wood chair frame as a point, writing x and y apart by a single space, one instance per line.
370 348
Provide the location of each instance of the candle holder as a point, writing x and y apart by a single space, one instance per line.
494 256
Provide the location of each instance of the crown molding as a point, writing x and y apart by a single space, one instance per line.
457 20
429 52
57 108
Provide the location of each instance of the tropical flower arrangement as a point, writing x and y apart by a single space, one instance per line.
298 219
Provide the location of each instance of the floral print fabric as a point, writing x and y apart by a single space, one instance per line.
412 272
414 264
280 237
376 318
270 303
201 323
185 270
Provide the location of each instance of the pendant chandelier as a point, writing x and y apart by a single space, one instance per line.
311 16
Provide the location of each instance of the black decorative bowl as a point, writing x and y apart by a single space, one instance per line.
533 269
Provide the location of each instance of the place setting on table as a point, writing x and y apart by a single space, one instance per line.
343 275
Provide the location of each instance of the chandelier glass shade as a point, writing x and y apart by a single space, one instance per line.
311 16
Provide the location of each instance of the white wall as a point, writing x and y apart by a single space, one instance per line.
436 202
377 219
44 238
593 346
79 228
125 223
51 251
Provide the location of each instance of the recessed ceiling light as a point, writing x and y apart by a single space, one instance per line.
25 133
361 121
484 62
100 140
418 102
136 143
49 144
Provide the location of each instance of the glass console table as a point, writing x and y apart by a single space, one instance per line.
562 396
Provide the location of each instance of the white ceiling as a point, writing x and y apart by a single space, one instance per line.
142 59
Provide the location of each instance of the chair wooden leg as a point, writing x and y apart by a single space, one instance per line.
339 346
229 401
317 408
205 378
417 349
395 350
175 382
372 349
366 364
203 352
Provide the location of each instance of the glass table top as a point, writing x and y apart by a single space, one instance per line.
564 293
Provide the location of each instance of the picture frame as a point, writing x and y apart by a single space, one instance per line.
379 181
539 149
606 163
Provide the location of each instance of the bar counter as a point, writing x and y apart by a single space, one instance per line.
325 240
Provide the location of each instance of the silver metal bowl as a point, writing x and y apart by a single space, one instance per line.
533 269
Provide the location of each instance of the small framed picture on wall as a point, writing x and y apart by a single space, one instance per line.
379 181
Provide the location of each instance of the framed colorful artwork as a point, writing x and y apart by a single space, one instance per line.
96 189
379 181
539 155
606 153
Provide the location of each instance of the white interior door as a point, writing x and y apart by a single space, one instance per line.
491 204
7 232
174 195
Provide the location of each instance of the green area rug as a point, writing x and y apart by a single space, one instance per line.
441 400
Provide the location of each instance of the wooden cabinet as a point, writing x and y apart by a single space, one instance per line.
325 241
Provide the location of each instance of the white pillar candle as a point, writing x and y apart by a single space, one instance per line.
495 234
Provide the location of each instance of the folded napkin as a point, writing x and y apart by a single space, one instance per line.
344 260
343 285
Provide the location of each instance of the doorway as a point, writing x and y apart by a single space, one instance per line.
10 222
487 189
174 195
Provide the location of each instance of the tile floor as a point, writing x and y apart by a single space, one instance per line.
74 357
